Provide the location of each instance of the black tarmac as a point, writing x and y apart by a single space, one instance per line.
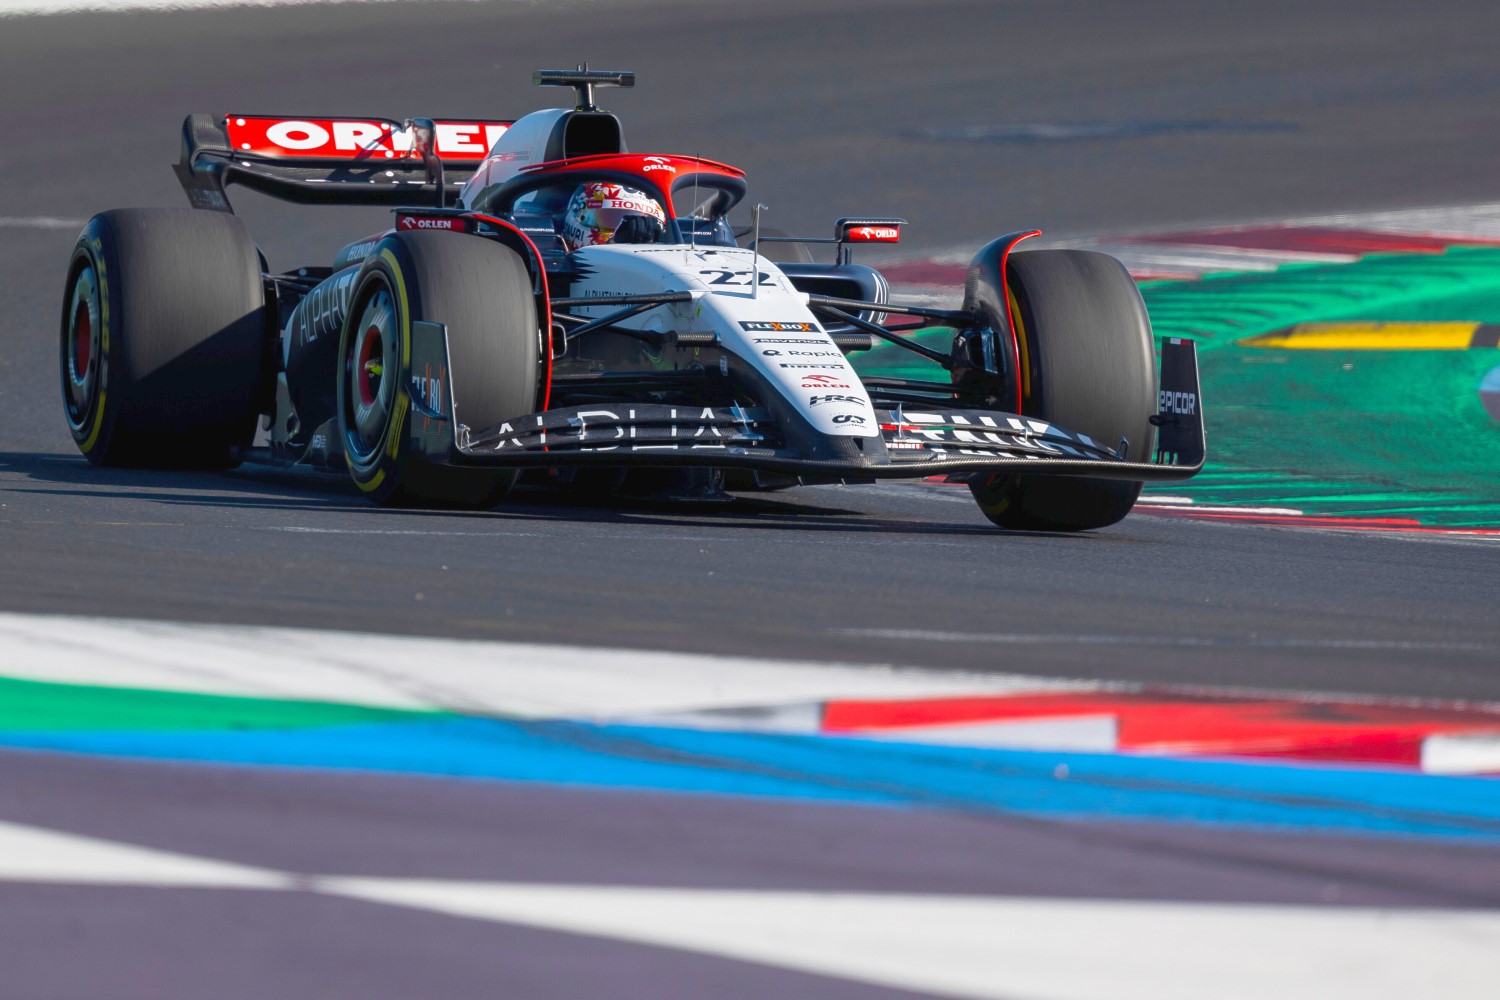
1219 111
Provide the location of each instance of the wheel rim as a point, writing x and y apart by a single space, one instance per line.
370 367
82 356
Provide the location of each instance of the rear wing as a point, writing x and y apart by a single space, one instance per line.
332 161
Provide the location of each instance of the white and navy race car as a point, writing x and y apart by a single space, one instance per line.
548 303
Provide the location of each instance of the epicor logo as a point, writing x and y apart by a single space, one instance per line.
1185 403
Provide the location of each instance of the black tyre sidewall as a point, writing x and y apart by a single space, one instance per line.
1091 368
182 338
481 291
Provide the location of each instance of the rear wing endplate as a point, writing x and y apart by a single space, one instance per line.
332 161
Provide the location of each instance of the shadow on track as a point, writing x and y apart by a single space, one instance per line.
260 487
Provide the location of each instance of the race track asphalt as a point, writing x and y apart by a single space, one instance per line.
825 104
1242 111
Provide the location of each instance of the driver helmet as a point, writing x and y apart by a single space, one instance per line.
599 209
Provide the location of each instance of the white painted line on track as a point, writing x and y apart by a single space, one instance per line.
950 945
1003 947
422 532
1457 221
1231 509
25 7
39 222
500 678
1210 642
33 854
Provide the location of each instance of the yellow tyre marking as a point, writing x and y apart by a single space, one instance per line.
393 434
1020 328
404 317
99 277
398 419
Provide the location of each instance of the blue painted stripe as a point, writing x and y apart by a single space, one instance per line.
1260 795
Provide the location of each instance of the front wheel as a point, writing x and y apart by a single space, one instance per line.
1088 364
482 293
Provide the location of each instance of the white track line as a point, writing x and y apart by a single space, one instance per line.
1066 639
501 678
39 222
32 854
24 7
950 945
1457 222
1002 948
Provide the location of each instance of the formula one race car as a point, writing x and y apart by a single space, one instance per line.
549 304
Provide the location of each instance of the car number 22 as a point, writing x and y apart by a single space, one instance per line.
718 276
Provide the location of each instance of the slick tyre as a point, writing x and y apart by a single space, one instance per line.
482 293
164 334
1088 365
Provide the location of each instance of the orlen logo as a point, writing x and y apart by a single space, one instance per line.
341 139
874 234
409 222
659 163
824 382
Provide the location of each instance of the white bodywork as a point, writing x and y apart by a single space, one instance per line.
799 359
804 364
521 145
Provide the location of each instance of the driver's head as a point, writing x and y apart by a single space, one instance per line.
600 212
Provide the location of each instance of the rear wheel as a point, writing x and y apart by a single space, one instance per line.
163 339
482 293
1088 365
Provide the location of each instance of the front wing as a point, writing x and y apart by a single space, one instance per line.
914 442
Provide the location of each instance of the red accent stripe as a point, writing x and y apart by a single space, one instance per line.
1015 343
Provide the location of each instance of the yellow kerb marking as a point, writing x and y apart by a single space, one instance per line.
1369 337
